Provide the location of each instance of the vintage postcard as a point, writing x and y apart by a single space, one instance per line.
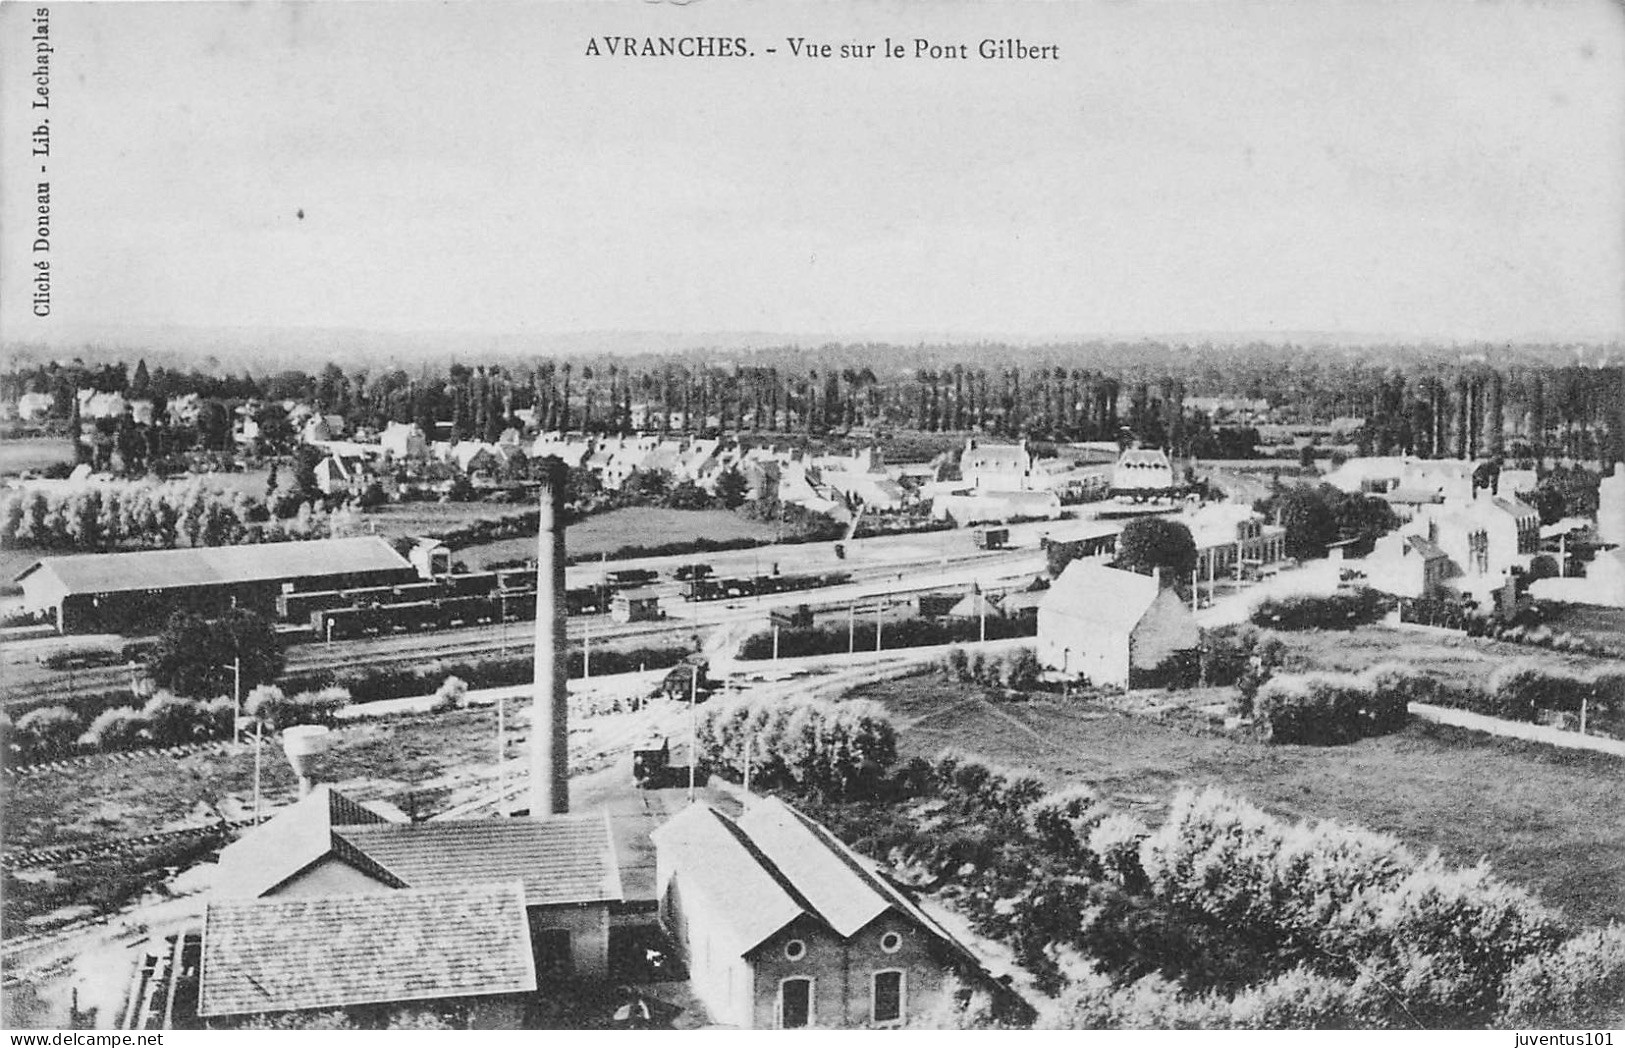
978 516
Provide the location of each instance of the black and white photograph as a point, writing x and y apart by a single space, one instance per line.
699 515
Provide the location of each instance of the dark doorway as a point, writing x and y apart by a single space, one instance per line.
795 1003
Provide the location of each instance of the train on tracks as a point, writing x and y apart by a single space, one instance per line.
456 600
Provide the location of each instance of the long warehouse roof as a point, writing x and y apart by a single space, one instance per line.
218 565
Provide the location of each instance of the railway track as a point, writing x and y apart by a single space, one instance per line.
32 683
72 853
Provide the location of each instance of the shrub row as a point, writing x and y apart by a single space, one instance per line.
1018 670
275 709
1329 709
822 747
1337 611
53 732
909 633
1529 692
373 684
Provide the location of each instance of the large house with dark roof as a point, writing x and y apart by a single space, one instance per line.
328 846
782 926
116 592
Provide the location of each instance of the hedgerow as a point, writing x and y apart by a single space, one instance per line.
1329 709
909 633
1335 611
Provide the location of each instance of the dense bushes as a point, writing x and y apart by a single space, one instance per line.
1224 916
54 732
1019 670
1329 709
909 633
821 747
1354 906
47 733
276 710
1581 984
1337 611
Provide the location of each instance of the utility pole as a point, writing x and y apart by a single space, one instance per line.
693 738
502 748
586 649
257 742
851 629
775 642
879 608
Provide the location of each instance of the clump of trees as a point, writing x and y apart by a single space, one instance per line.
1317 516
155 515
1149 544
1019 670
826 748
198 656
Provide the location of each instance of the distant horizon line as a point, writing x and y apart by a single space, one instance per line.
744 338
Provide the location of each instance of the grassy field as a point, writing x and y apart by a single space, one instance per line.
413 519
1605 626
1547 819
1456 658
639 526
35 453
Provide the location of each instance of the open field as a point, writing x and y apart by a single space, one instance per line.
1456 658
35 453
1605 626
412 519
1547 819
639 526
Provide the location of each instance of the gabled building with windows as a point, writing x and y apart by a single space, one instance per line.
782 926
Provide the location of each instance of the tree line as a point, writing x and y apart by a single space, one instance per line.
1431 404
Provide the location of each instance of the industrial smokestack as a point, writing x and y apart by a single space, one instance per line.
549 727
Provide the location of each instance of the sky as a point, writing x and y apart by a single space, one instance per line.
1433 169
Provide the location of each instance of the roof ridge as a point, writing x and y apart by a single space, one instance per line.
770 867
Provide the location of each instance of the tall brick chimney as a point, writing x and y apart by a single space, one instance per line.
549 727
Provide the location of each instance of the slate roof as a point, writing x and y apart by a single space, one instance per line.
849 891
774 865
560 861
1106 597
218 565
294 838
274 955
719 862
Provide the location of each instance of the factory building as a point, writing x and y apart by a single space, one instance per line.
137 592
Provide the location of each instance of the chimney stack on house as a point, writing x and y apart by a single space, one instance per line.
549 728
